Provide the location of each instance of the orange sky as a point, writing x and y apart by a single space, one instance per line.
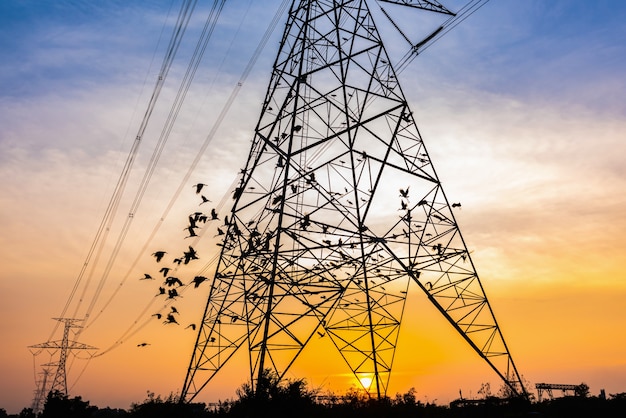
522 112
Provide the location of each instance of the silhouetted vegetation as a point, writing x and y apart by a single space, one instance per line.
292 398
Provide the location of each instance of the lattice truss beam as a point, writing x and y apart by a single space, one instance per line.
337 211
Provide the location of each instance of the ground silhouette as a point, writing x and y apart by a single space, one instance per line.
277 398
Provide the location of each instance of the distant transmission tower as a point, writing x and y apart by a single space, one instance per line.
337 211
41 391
64 347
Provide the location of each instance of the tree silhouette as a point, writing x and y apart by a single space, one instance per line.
273 396
59 405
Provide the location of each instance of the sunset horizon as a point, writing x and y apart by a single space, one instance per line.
521 112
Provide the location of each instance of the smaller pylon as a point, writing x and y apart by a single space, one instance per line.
40 392
65 345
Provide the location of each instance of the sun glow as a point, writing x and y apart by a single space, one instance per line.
366 382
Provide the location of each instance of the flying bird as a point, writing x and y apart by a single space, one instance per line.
142 344
159 255
204 199
456 205
192 232
161 291
404 192
192 326
146 276
172 293
171 281
174 310
190 255
158 315
170 320
199 187
165 270
214 214
197 280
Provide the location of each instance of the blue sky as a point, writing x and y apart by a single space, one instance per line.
521 107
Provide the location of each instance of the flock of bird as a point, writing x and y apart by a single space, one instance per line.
171 284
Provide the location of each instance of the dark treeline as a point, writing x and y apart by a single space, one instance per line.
291 398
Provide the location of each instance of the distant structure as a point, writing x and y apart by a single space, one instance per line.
577 390
64 347
42 384
337 211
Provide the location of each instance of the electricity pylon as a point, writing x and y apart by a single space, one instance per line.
41 391
337 211
65 346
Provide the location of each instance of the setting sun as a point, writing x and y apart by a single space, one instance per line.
366 382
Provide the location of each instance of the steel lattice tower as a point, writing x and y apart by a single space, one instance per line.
337 211
65 346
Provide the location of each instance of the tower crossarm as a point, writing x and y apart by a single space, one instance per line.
433 6
71 345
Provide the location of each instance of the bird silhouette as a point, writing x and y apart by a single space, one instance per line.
197 280
214 214
404 192
142 344
158 315
456 205
165 270
192 232
146 276
192 326
204 199
158 255
161 291
277 199
174 310
172 294
171 281
199 187
190 255
171 320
